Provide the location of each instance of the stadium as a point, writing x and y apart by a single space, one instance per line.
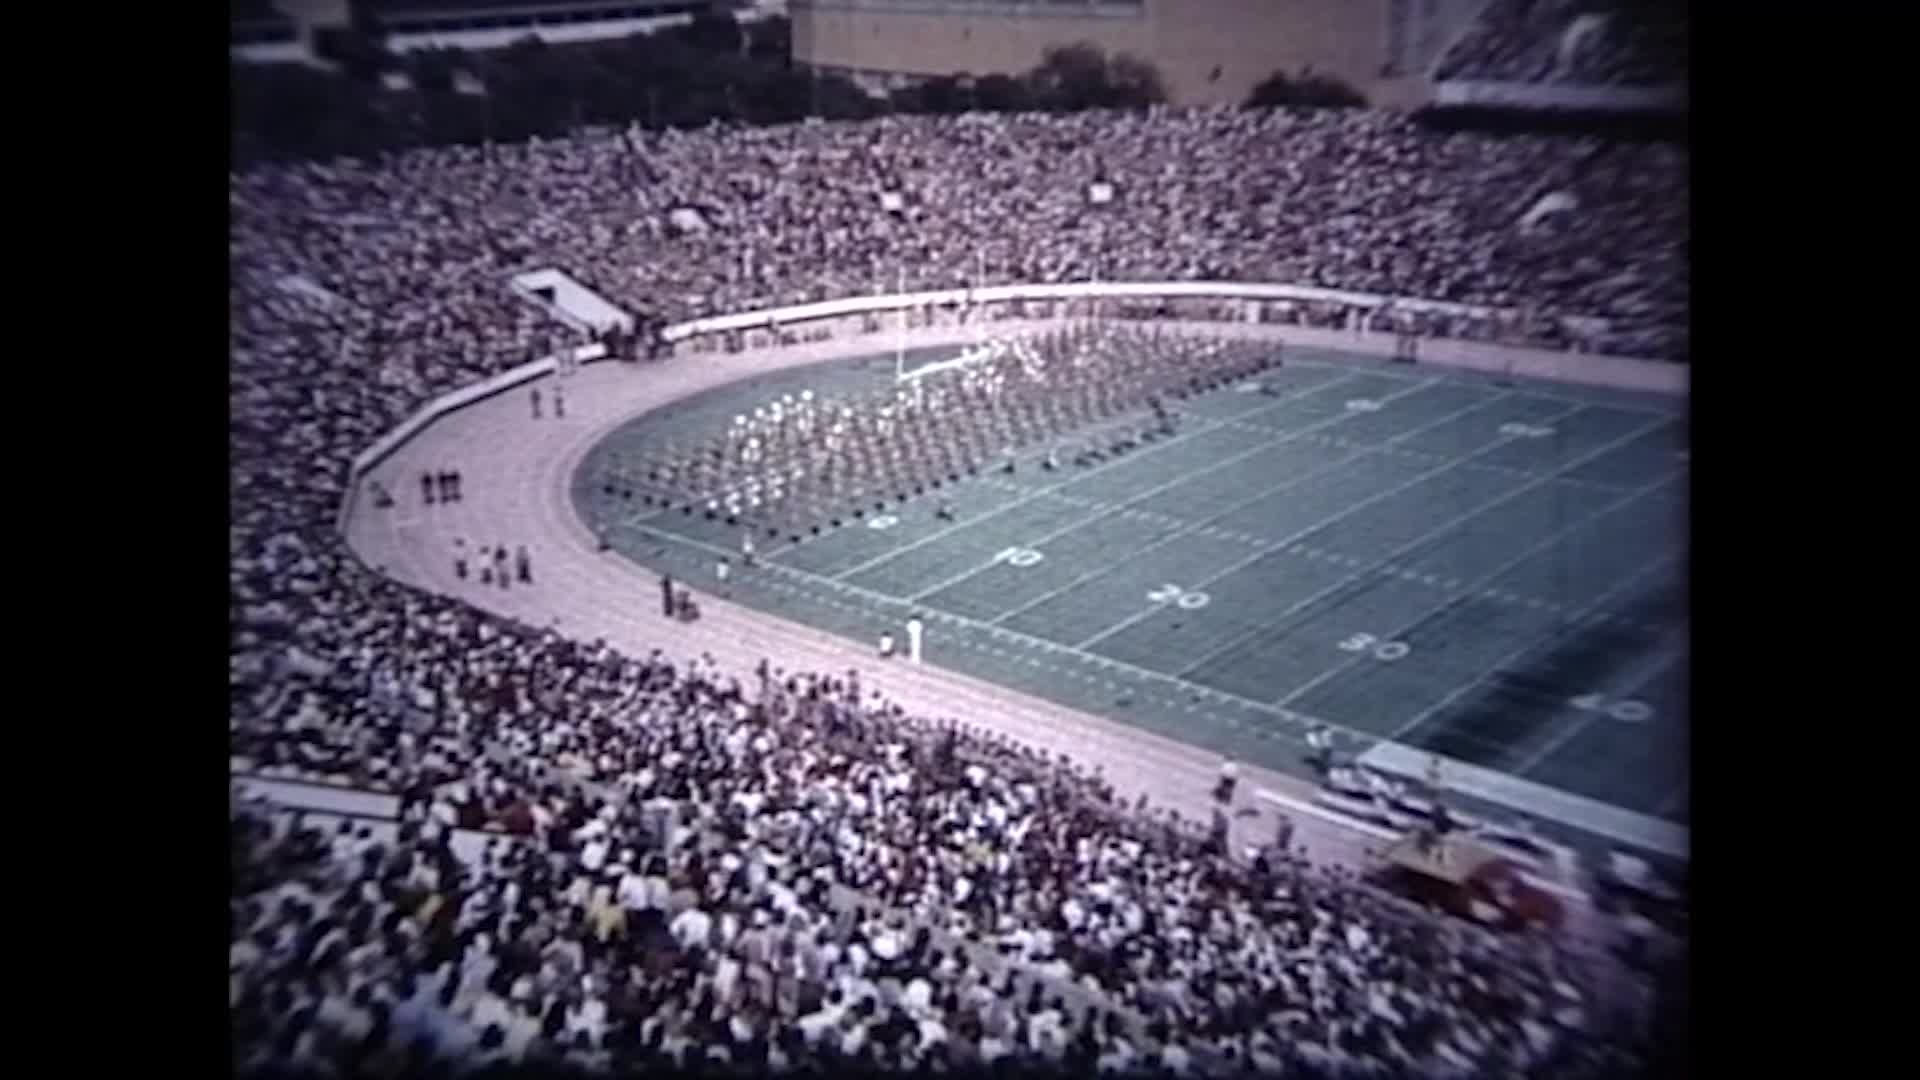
1189 591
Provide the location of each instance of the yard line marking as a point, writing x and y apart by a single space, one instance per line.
1346 664
1067 479
1205 527
1657 661
1345 580
1270 548
1536 643
884 603
1390 445
1104 663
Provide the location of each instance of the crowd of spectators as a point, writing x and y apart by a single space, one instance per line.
792 875
686 873
1345 199
1583 42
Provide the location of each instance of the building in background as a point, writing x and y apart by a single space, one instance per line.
1207 51
1217 51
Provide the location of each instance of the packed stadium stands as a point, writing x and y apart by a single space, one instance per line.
1592 42
794 875
1336 198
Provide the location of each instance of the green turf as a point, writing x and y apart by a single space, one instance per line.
1477 568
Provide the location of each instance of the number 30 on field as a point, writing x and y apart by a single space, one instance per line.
1379 650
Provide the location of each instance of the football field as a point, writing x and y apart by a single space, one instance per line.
1431 563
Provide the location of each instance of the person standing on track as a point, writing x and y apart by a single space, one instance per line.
1320 748
666 596
523 565
536 403
455 477
559 405
426 487
460 559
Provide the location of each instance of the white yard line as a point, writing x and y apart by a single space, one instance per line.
1533 644
1011 637
1531 551
1182 528
1382 564
1422 455
1646 669
1072 477
1269 548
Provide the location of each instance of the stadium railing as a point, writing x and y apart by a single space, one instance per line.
1245 304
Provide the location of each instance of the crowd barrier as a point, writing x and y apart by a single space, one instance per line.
1243 304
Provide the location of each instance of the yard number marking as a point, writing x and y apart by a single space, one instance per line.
1525 431
1174 594
1628 711
1015 556
1362 404
1380 650
883 521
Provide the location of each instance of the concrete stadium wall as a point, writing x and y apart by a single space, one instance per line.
845 320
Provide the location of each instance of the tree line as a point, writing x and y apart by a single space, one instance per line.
714 70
